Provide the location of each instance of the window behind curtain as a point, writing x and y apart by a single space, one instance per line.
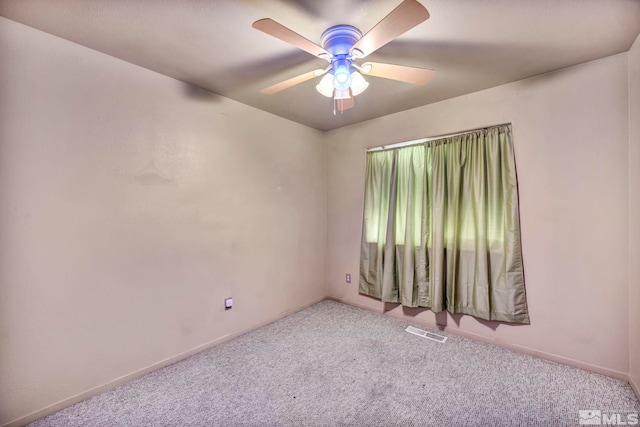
441 227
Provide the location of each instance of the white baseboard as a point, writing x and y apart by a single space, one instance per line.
48 410
355 304
635 386
519 348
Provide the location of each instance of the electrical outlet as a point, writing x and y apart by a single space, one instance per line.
228 303
348 278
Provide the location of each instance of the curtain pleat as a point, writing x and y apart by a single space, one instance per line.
441 227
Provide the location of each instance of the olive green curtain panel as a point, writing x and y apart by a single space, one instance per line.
441 227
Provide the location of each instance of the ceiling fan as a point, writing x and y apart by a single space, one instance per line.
342 45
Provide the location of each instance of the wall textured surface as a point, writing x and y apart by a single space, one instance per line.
131 204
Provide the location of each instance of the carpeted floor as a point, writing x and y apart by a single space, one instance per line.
336 365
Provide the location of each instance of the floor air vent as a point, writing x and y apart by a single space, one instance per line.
425 334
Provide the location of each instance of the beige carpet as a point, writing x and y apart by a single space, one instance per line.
336 365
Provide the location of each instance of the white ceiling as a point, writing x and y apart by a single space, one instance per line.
472 44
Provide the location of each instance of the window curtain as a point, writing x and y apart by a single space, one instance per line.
441 227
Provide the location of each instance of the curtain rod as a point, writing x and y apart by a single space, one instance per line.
431 138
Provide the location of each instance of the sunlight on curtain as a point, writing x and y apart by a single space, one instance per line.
441 227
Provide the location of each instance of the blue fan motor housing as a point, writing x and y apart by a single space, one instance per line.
338 39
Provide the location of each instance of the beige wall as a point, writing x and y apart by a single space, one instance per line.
106 270
634 215
571 142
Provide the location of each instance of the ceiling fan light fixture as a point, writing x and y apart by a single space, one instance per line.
325 87
342 45
342 94
358 83
341 74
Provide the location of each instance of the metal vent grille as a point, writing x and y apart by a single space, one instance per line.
425 334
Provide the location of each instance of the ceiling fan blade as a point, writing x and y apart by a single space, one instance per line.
279 31
402 73
293 81
401 19
345 104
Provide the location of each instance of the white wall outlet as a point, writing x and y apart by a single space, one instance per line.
228 303
348 278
